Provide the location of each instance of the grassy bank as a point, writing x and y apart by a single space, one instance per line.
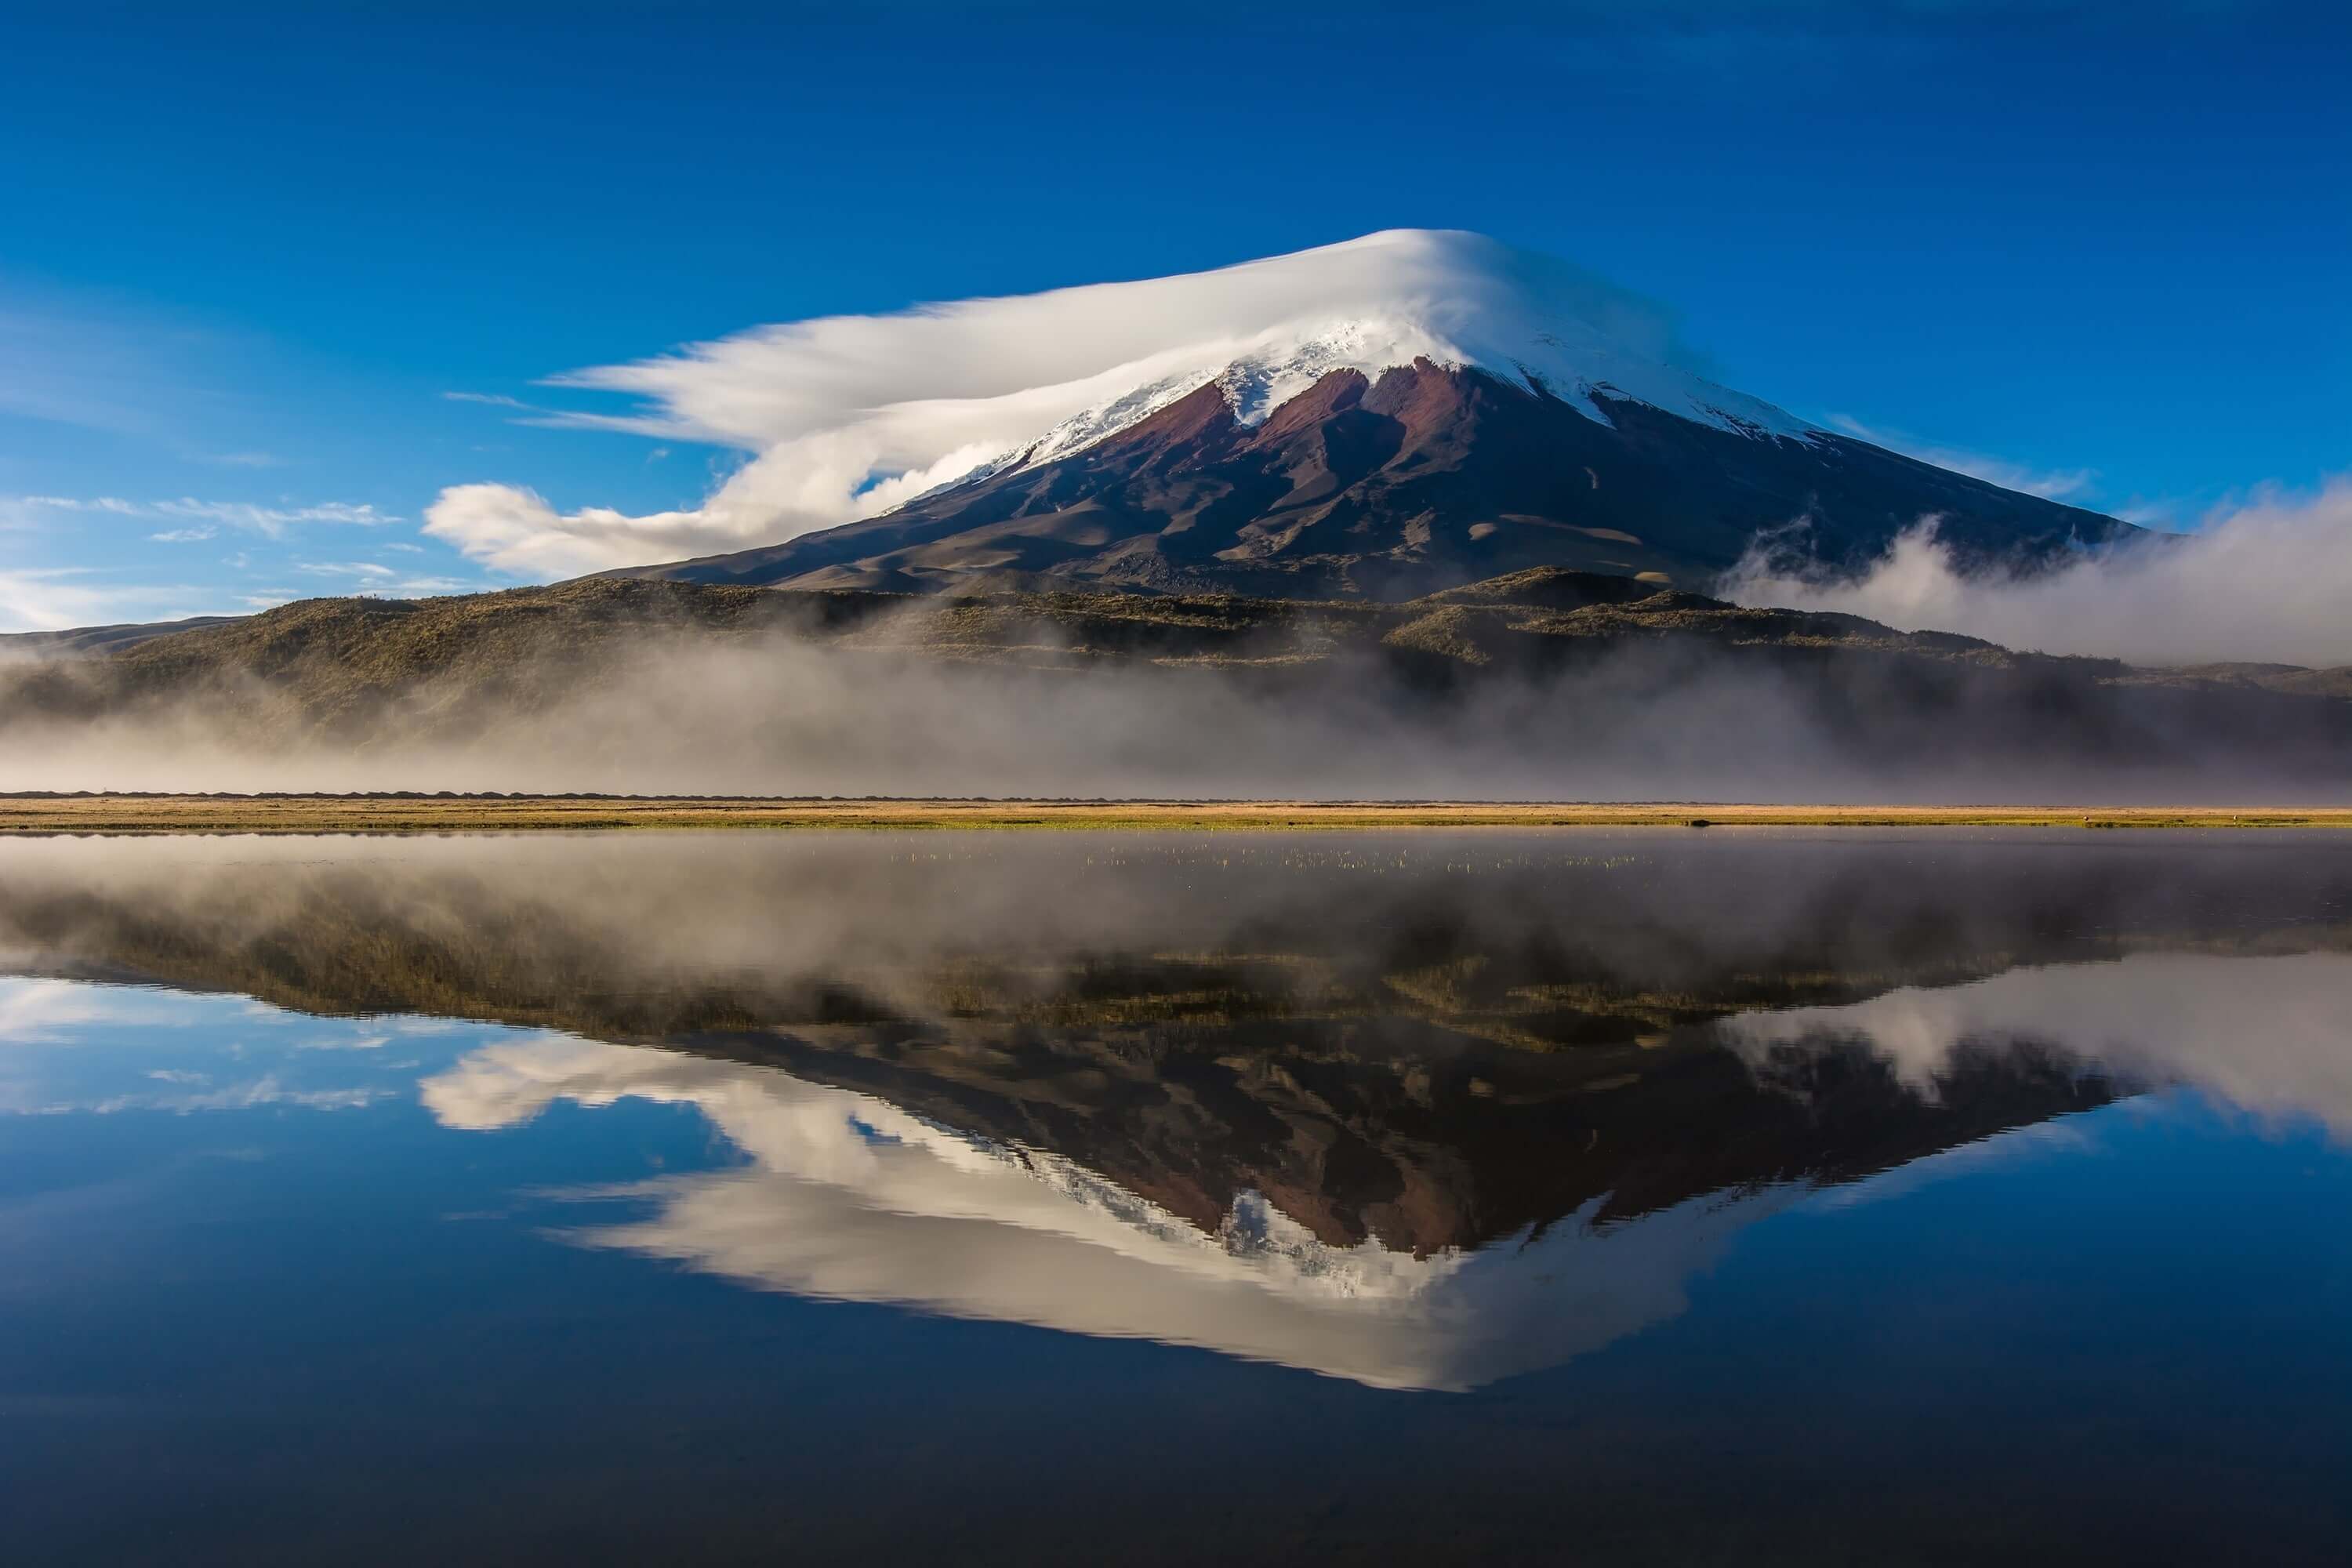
443 814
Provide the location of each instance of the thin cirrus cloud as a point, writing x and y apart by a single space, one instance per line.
373 571
272 521
374 577
494 400
2265 582
29 514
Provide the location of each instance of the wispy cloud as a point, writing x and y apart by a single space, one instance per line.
272 521
265 1090
355 1042
184 535
370 570
375 579
2072 485
22 510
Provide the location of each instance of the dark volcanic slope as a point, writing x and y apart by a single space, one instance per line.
1427 478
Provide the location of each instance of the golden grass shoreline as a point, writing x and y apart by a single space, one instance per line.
137 813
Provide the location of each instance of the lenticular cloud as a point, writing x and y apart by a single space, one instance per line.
849 416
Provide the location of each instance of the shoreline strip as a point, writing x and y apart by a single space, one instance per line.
408 812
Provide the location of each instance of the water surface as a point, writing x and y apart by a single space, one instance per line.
1622 1197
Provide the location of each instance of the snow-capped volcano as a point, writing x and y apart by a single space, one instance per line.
1399 412
848 417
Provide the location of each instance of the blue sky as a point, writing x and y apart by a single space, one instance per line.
243 257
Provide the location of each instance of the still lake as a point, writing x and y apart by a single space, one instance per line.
1671 1196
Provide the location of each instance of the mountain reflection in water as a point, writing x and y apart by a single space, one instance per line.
1417 1110
848 1197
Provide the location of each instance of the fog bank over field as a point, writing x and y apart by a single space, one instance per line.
2268 583
773 715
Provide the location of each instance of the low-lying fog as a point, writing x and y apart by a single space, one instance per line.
783 717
